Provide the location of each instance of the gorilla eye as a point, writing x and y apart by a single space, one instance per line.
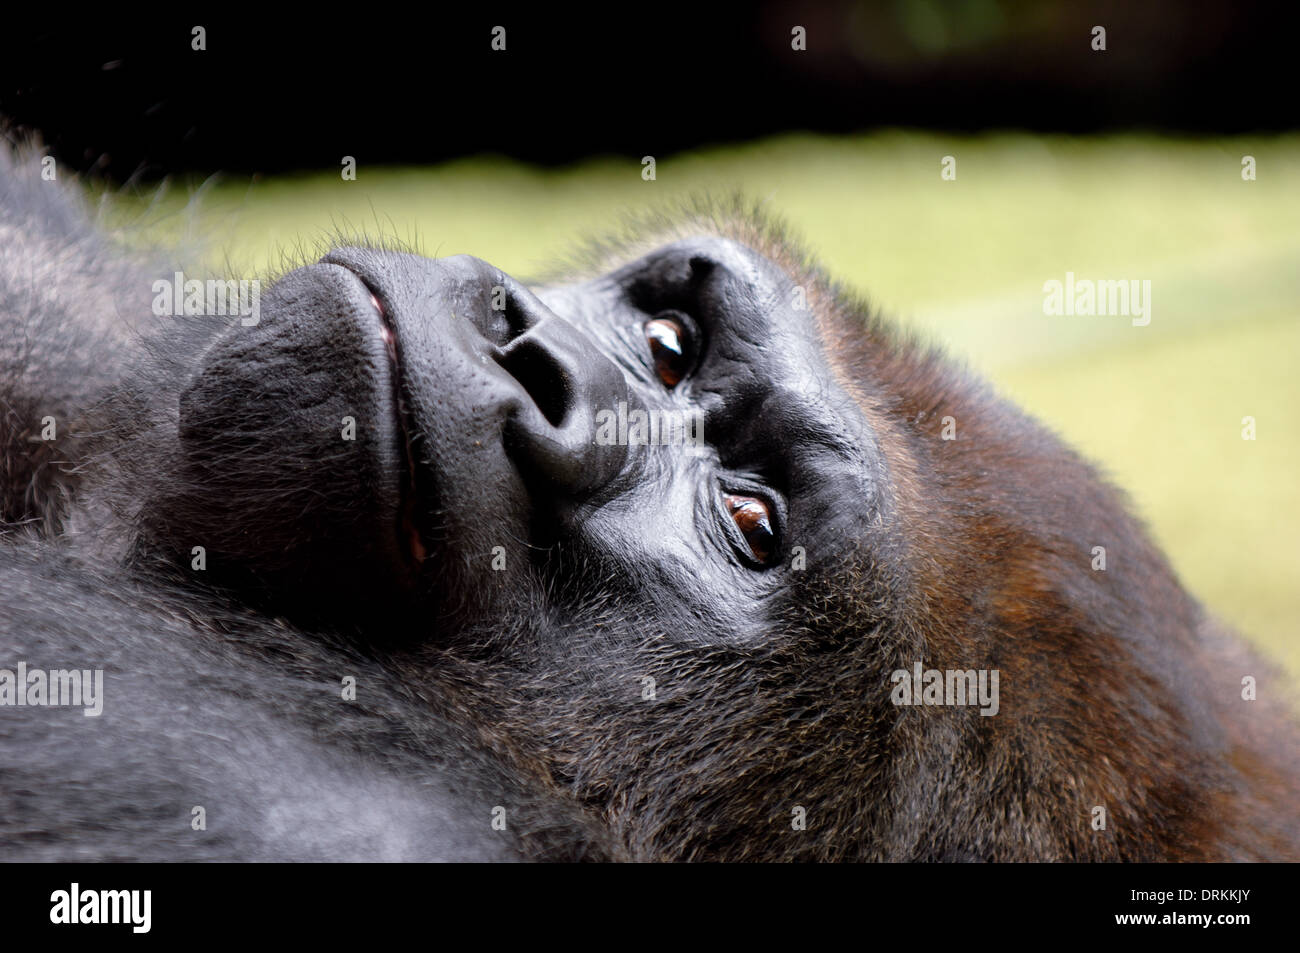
670 346
754 520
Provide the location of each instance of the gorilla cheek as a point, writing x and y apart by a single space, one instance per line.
290 447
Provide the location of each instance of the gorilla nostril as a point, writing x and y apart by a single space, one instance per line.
506 317
503 324
551 438
516 319
541 376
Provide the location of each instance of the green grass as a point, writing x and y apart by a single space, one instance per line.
1159 407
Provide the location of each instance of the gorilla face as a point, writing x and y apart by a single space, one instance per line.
433 434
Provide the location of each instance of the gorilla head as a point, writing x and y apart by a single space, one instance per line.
679 537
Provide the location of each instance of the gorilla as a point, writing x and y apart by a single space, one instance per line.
679 553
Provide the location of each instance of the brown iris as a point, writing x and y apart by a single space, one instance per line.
668 349
754 520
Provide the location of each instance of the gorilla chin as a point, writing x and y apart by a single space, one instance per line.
371 579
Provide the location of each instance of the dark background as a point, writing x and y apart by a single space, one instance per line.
127 97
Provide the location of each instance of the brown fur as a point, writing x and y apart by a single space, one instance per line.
1117 689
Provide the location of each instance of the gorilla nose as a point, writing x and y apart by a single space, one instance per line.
553 436
482 360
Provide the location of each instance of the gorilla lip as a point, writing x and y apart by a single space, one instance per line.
408 529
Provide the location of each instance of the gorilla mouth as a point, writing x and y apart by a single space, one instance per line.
410 539
408 527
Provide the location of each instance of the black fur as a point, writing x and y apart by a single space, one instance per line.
525 685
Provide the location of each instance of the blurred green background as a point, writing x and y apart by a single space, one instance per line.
1159 407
